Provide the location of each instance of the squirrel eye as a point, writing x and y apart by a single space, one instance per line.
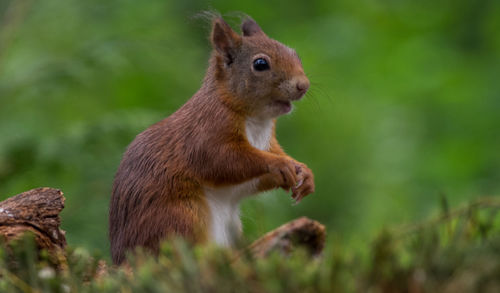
260 64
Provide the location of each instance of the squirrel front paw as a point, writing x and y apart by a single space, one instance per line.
305 182
282 173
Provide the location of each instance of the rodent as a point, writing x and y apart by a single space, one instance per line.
185 175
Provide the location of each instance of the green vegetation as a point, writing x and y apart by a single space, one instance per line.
402 112
457 252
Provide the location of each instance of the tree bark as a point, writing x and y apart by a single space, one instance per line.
302 232
36 211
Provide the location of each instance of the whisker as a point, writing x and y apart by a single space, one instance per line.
318 86
323 92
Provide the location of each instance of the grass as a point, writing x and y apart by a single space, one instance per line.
456 251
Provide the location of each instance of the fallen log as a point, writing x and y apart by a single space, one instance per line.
36 211
302 232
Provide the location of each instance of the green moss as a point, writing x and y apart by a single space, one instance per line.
449 252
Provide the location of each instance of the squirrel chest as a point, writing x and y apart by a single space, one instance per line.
223 202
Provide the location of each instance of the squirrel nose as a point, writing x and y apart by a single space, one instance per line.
302 85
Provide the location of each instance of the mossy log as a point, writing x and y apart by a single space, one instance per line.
36 211
302 232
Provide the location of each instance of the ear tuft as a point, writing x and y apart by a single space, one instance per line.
249 28
224 40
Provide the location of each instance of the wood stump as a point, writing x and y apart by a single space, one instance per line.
36 211
302 232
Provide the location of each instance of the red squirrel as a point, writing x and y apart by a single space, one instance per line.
185 175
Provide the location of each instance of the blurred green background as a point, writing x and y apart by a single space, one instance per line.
403 109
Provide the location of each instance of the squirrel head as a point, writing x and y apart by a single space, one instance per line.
262 75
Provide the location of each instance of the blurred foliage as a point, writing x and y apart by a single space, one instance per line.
403 107
455 252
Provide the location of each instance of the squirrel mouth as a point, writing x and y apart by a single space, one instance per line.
284 106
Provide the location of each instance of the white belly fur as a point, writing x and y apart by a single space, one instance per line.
223 203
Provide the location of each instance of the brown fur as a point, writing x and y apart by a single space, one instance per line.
158 188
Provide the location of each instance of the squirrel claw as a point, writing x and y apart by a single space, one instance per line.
297 197
297 200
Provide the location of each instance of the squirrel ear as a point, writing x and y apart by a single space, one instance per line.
249 28
224 39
